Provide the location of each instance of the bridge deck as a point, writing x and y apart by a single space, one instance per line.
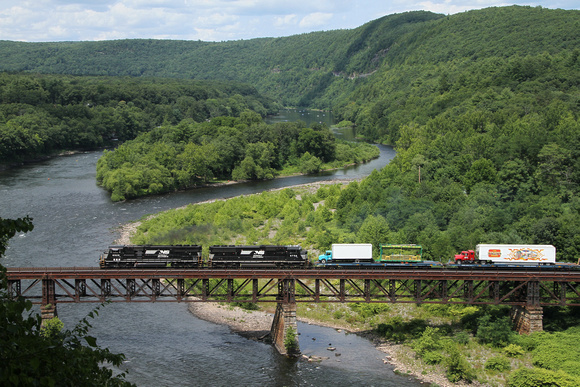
511 273
467 285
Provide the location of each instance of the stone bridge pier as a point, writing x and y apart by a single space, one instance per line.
284 331
48 307
529 318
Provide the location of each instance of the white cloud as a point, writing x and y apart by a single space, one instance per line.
451 7
315 20
286 20
215 20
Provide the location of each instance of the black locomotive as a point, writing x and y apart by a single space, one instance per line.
189 256
262 256
144 256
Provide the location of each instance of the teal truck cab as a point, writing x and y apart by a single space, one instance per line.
327 257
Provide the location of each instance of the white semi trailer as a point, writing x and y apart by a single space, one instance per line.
517 254
348 252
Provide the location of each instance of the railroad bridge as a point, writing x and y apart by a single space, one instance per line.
527 290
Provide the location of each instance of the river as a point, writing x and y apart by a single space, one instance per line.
74 221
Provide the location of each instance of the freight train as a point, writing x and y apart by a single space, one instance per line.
341 256
189 256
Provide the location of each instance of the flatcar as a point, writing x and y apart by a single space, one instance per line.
257 256
151 256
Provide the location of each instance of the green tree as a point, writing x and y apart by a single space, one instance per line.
317 140
375 230
310 163
31 355
481 171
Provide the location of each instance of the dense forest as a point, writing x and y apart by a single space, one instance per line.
42 114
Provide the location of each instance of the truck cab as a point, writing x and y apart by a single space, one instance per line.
466 256
327 257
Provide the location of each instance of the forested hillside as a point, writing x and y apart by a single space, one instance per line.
315 69
294 70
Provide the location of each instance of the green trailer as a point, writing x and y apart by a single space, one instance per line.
401 253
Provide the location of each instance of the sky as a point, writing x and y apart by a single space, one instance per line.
209 20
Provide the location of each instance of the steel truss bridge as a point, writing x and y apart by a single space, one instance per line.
530 287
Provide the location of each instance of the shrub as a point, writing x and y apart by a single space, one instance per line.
432 357
470 321
497 333
528 342
52 328
290 342
526 377
461 337
555 350
368 310
398 330
571 366
457 367
450 310
514 350
428 342
498 363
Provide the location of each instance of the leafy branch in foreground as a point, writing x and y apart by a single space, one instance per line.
47 356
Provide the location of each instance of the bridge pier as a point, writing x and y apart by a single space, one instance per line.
48 307
527 319
48 312
284 331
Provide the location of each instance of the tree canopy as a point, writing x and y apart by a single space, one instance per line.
42 114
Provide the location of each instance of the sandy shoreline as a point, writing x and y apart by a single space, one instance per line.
255 325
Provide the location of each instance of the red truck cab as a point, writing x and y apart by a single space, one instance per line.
467 256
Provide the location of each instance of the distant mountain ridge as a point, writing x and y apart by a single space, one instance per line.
312 69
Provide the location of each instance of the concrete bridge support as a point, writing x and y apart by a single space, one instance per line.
284 331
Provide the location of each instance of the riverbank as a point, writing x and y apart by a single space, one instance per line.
256 324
